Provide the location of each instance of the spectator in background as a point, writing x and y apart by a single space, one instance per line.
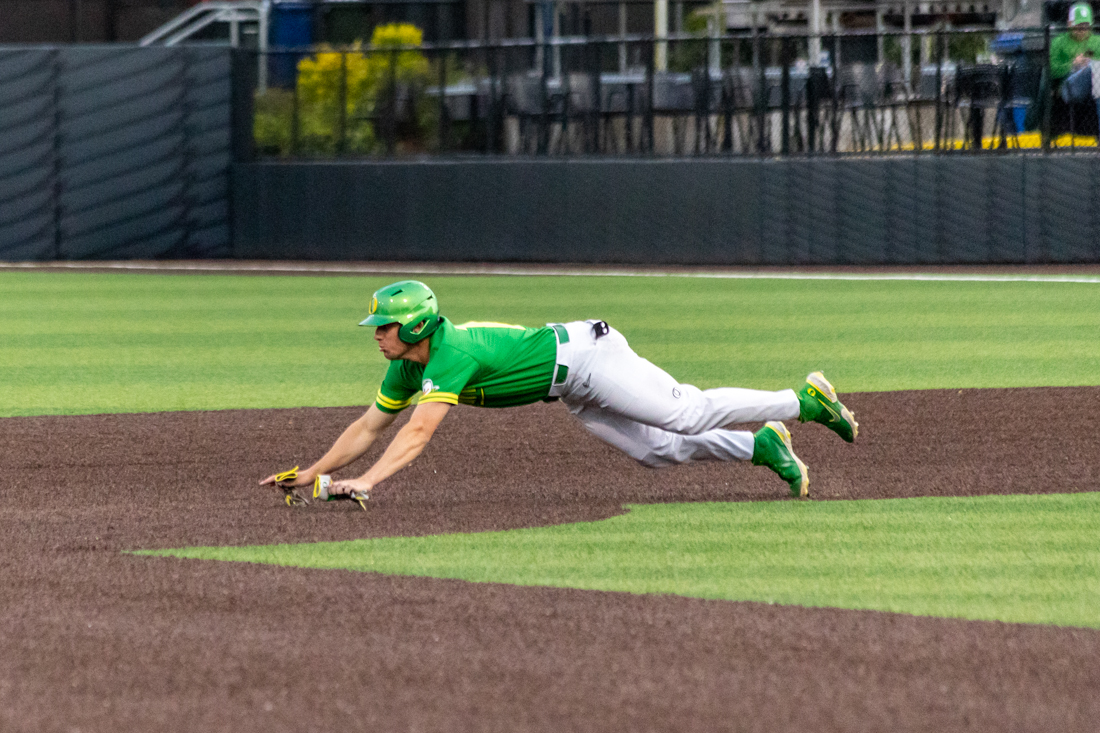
1071 57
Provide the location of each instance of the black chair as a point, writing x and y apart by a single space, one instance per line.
820 110
896 105
673 99
539 105
979 89
1078 118
707 91
581 112
790 108
745 105
622 109
1025 86
860 98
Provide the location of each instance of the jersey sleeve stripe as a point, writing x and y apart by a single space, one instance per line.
449 397
472 396
391 404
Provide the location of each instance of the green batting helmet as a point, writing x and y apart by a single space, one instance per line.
410 303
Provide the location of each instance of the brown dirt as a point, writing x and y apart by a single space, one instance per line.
95 640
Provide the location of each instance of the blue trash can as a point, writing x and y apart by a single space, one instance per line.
1007 44
1010 46
291 27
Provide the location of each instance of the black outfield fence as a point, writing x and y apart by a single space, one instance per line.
114 152
831 211
126 152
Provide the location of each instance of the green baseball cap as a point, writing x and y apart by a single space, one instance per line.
1080 14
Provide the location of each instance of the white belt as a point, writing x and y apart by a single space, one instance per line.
562 361
570 337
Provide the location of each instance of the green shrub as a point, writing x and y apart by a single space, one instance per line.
967 47
694 55
365 79
272 121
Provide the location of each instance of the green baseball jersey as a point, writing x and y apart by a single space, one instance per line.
1063 50
482 364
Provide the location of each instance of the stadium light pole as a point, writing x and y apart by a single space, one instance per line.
714 30
622 34
660 30
815 33
907 47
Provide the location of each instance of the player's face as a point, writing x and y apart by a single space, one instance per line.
1080 32
391 346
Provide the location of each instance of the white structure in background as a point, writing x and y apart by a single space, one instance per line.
814 15
825 17
815 18
244 18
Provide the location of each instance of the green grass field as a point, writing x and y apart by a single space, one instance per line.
79 343
95 343
1031 559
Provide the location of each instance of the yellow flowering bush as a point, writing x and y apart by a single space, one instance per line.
319 93
365 78
410 66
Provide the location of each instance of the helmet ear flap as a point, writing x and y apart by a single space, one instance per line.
416 331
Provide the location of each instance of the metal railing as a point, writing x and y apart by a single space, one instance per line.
238 15
734 95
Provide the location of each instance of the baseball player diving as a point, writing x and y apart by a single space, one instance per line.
620 397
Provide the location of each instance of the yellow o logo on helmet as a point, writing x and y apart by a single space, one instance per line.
373 306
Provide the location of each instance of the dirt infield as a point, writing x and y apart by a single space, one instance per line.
95 640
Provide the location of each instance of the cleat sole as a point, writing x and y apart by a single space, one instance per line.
818 381
803 488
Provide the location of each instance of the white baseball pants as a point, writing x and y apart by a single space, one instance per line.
643 411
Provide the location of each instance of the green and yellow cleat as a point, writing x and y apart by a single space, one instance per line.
818 403
772 448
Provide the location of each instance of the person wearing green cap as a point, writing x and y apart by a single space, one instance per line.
1071 54
1071 51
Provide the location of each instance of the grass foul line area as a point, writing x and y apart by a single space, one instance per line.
80 343
1026 559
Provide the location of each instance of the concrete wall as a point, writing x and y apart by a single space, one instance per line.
114 152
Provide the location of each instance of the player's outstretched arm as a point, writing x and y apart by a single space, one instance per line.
352 443
405 446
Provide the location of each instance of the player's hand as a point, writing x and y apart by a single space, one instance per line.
355 487
1080 61
303 478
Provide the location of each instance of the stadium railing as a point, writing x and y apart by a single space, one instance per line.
753 95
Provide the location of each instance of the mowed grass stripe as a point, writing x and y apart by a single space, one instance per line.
77 343
1028 559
